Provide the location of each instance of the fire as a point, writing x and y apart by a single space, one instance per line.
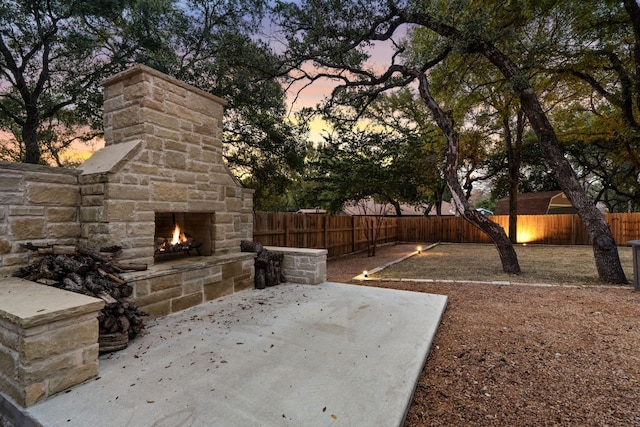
178 243
178 236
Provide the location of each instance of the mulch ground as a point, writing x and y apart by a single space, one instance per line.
523 355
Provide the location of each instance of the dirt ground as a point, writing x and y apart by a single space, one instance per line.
523 355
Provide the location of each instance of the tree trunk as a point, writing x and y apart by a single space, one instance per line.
513 183
396 206
508 255
604 246
514 158
30 136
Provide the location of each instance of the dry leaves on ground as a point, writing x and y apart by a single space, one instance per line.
523 355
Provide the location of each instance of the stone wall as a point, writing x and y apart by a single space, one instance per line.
38 204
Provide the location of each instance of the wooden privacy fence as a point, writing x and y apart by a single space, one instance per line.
346 234
542 229
340 235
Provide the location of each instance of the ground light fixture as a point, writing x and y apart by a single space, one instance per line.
419 249
365 274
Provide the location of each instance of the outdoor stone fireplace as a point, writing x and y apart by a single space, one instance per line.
161 166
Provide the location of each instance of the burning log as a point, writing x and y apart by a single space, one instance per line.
179 243
83 270
164 246
268 270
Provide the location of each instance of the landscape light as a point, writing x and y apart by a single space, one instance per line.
419 249
365 274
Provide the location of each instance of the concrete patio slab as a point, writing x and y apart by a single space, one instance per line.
291 355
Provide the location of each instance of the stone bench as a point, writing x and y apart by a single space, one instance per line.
303 266
48 340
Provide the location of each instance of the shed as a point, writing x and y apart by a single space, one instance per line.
538 203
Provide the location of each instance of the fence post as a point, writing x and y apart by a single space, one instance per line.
325 219
635 247
286 230
305 236
353 234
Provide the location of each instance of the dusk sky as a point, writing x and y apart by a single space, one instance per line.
308 96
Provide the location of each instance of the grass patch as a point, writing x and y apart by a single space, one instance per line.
567 265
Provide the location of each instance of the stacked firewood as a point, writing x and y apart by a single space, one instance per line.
83 270
268 264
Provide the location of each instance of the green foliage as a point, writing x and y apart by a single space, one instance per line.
48 65
488 204
354 164
576 56
55 52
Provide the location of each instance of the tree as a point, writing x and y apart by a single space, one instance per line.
609 70
337 41
424 150
372 215
51 59
340 53
355 164
54 53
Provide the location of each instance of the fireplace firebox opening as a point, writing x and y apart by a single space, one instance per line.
183 234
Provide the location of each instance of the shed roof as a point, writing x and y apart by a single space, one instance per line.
369 206
537 203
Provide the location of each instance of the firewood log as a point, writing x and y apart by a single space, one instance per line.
134 267
44 270
108 322
111 249
30 246
260 279
93 254
70 285
108 299
124 323
71 264
249 246
76 278
126 290
64 250
111 276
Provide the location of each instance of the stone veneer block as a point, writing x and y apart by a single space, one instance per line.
108 158
186 301
49 339
303 266
218 289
